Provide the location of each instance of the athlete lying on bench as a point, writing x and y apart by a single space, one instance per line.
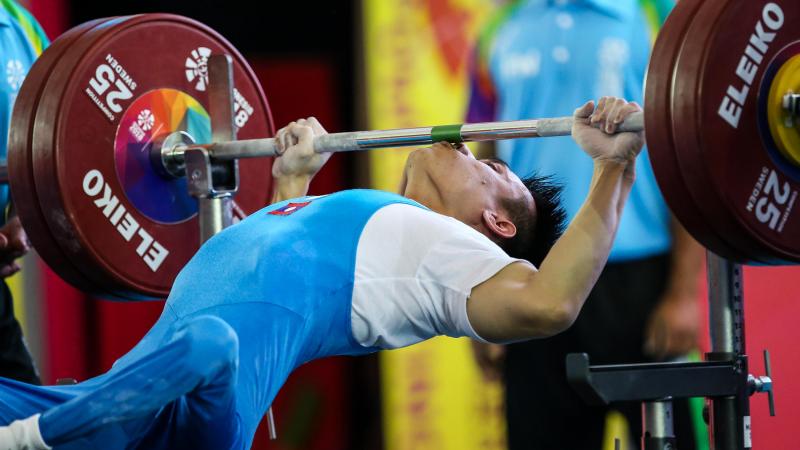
344 274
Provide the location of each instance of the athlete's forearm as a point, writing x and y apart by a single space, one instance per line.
572 266
289 187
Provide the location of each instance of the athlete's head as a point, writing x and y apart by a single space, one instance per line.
523 217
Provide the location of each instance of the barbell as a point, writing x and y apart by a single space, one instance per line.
106 114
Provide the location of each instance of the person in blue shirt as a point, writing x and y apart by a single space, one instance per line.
21 42
536 59
348 273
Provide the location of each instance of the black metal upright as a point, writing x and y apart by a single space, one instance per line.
730 415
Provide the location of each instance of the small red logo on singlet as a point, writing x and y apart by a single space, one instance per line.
289 208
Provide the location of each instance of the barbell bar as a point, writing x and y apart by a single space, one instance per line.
407 137
90 165
169 154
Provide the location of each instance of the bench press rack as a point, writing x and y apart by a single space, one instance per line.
723 377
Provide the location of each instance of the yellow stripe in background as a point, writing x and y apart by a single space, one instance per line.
435 399
415 62
16 284
616 428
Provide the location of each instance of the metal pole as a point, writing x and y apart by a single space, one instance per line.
223 150
730 415
657 429
726 307
215 206
215 214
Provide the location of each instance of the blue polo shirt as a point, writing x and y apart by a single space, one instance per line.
544 58
21 42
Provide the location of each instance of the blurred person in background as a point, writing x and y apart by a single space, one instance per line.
537 58
21 42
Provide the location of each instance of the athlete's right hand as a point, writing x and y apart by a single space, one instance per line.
296 148
594 129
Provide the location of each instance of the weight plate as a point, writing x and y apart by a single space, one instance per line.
686 153
23 189
116 91
101 283
745 195
660 142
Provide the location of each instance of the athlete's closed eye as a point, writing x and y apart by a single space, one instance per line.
497 165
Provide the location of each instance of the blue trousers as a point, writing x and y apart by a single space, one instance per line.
180 395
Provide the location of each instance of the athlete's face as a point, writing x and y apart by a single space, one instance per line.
451 181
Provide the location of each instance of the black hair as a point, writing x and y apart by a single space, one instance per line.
535 236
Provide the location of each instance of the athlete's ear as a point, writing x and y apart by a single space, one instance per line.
499 224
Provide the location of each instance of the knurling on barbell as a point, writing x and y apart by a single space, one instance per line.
86 151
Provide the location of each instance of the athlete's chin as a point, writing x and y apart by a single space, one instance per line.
428 161
429 170
416 167
418 155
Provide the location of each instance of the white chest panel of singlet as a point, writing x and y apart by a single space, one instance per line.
414 272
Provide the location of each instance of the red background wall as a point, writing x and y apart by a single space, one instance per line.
772 308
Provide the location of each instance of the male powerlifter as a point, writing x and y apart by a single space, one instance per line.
344 274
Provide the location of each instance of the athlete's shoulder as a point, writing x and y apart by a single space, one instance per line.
371 198
423 224
350 206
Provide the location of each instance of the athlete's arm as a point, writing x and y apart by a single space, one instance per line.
520 302
293 171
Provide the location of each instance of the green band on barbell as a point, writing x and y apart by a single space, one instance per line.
448 133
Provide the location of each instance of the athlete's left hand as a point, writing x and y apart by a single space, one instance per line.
296 146
594 129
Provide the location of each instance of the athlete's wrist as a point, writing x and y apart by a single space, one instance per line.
615 169
291 186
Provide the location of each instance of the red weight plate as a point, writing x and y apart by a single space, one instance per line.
748 193
686 146
119 89
23 189
99 282
660 143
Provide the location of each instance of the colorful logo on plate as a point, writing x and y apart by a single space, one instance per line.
150 118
